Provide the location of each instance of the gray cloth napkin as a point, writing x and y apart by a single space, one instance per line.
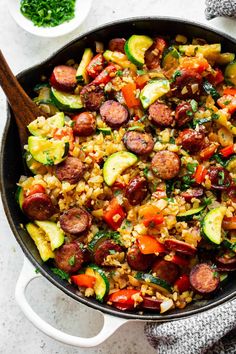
215 8
210 332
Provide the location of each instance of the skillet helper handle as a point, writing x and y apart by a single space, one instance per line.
111 324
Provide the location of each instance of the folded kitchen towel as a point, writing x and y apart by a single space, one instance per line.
210 332
215 8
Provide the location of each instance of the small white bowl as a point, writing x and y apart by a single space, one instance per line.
82 8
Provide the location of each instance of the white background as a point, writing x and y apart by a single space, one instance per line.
17 335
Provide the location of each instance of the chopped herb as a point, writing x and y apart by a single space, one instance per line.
215 274
63 275
215 116
187 182
36 270
221 178
117 192
219 159
172 140
175 75
191 167
143 118
194 105
141 72
145 172
71 260
119 73
207 201
112 251
189 113
226 102
128 223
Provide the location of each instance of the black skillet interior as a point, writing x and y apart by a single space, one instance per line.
12 167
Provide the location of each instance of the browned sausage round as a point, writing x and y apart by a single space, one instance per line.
75 221
106 248
139 143
219 177
69 257
187 85
137 190
114 114
192 193
204 278
137 260
225 263
38 206
232 193
149 303
160 114
64 78
84 124
117 44
165 164
92 97
183 114
70 170
192 140
180 246
166 270
154 53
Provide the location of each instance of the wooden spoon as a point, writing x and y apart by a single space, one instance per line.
24 109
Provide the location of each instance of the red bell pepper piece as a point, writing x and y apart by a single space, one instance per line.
153 221
230 91
229 102
114 215
142 80
123 298
148 245
36 188
228 150
208 152
229 223
216 77
84 280
200 174
96 65
128 92
105 76
183 283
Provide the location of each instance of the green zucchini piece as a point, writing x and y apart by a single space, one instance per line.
135 48
170 59
102 286
224 58
20 196
153 90
101 236
230 245
53 232
34 166
43 95
40 85
41 242
136 128
45 128
212 224
223 277
210 90
209 51
66 101
116 164
81 74
230 73
159 284
231 164
188 215
48 152
105 131
201 121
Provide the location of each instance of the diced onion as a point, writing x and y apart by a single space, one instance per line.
166 305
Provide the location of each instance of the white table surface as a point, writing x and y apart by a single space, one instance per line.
17 334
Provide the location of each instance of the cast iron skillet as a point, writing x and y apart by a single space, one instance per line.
11 165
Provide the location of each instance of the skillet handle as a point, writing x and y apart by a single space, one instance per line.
111 324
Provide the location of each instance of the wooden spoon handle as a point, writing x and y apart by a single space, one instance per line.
25 110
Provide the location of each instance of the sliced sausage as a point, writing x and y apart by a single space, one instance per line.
137 260
92 97
75 221
96 65
149 303
204 278
114 114
225 263
183 114
192 140
106 248
160 114
117 44
69 257
187 85
180 246
70 170
38 206
219 177
166 270
64 78
84 124
154 53
136 190
165 164
138 142
192 193
232 193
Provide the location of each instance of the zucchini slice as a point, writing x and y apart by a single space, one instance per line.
224 58
231 164
20 196
116 164
105 131
44 128
159 284
48 152
81 74
102 286
135 48
212 224
53 232
210 90
229 244
230 73
170 59
66 101
153 90
188 215
41 242
34 166
209 51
